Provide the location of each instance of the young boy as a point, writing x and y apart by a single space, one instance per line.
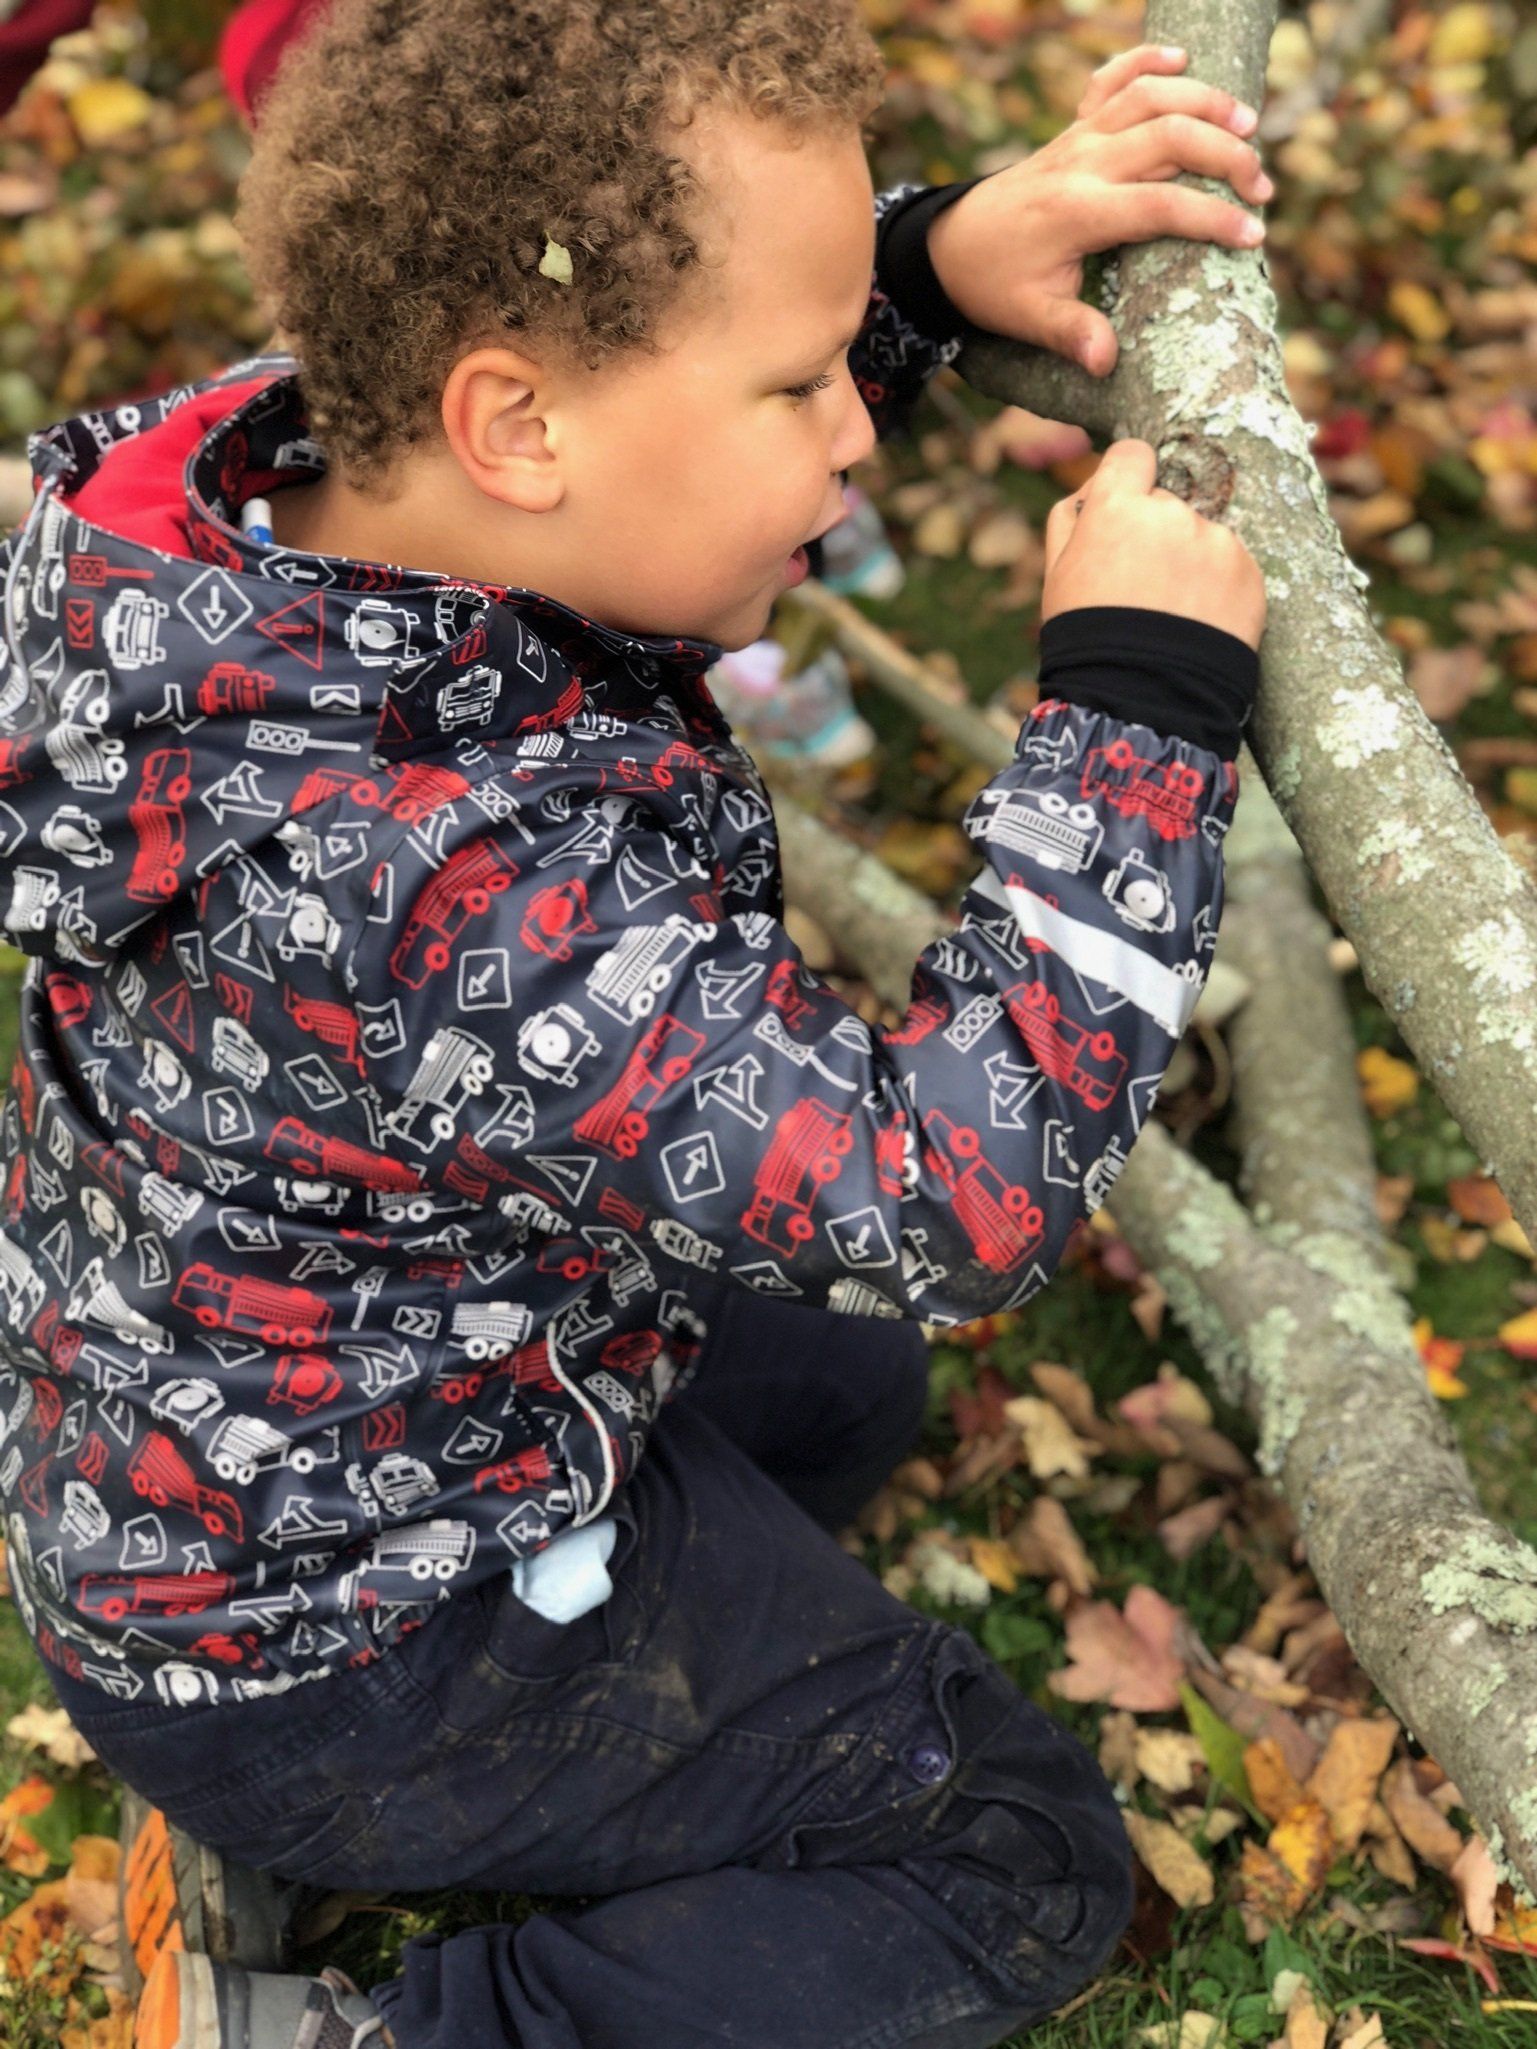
454 1254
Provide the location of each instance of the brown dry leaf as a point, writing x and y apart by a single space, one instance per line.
1275 1789
1270 1893
1363 2031
1169 1758
1264 1677
1183 1535
1390 1854
1184 1875
51 1731
1445 678
1477 1882
1168 1397
1118 1747
1069 1392
1293 1602
1349 1772
41 1920
1254 1718
112 2030
1424 1828
1046 1546
1306 2027
1051 1444
1126 1659
1304 1843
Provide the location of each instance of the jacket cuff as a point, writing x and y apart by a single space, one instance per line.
904 269
1181 677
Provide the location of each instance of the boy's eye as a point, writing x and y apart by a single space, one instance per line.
799 391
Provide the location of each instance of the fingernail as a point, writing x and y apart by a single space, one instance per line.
1172 51
1264 188
1252 231
1242 119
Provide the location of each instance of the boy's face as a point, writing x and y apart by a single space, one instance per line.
665 494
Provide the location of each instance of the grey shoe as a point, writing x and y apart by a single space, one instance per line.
190 2002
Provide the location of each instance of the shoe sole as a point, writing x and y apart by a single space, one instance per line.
177 1895
178 2008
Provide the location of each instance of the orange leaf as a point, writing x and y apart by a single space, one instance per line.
1519 1335
1345 1783
1304 1843
19 1850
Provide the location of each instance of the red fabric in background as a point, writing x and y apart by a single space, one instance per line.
24 40
254 39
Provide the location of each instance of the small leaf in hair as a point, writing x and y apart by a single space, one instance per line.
555 262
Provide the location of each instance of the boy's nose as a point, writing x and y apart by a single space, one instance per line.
857 437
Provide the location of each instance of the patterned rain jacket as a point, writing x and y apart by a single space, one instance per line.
409 1022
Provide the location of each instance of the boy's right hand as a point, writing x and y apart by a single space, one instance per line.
1135 544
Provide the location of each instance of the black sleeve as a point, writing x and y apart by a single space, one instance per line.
1179 676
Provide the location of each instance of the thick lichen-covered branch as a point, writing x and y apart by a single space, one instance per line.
1444 922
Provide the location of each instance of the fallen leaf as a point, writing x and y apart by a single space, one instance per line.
1051 1444
1389 1852
1184 1875
1306 2027
1304 1843
1159 1401
1193 2030
106 109
556 262
1349 1772
1423 1827
1368 2035
1182 1535
1126 1659
1476 1882
1276 1791
1470 1954
1169 1758
1046 1546
19 1849
1118 1747
40 1922
1387 1084
995 1562
1252 1717
51 1731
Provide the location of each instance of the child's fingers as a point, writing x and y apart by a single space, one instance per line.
1119 71
1144 213
1144 98
1177 142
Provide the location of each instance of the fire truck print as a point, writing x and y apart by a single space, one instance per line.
1088 1063
230 687
374 1118
1044 824
1000 1219
463 888
617 1123
278 1315
630 976
158 1471
303 1151
1165 794
810 1144
153 1593
455 1066
555 916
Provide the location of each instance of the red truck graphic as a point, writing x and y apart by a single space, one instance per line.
1005 1227
158 1471
301 1150
333 1024
782 992
554 916
526 1469
409 795
155 1593
810 1143
304 1381
461 890
617 1123
160 825
278 1315
1086 1062
1166 797
232 687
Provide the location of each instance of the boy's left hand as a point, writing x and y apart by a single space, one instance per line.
1010 252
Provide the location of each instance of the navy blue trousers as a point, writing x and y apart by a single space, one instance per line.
811 1817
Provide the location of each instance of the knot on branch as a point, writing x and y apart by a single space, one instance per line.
1197 469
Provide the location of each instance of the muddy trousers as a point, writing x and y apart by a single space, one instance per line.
802 1815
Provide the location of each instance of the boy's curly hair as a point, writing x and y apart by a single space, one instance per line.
413 155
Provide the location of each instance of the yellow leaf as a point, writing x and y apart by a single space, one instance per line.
1304 1843
106 108
1388 1084
995 1563
1463 35
1419 310
1051 1444
1519 1335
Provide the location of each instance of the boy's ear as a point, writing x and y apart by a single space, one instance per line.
494 424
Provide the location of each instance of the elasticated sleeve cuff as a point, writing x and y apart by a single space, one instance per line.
904 269
1181 677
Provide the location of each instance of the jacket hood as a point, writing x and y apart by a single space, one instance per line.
172 693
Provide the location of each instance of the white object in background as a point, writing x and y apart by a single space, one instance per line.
570 1575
